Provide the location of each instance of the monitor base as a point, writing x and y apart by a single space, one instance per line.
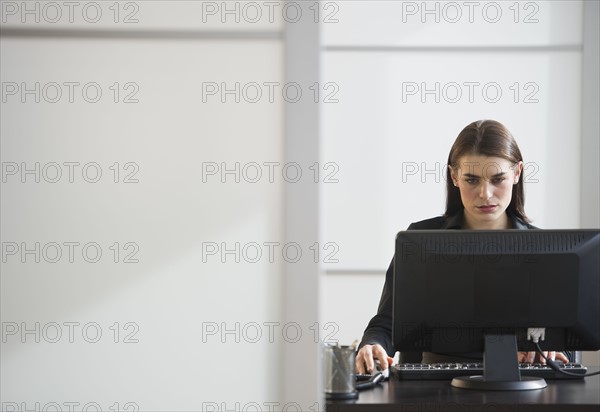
526 383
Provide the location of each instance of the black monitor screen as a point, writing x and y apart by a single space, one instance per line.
453 287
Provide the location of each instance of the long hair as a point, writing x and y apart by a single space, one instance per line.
486 138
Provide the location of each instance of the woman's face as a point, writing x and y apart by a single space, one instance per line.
485 185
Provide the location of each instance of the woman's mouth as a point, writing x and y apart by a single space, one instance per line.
487 208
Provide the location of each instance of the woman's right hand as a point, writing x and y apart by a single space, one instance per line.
366 356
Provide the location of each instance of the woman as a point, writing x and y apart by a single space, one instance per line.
484 192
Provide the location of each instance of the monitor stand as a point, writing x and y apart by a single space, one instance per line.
500 368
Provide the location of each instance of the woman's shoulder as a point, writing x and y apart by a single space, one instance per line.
521 224
438 222
455 222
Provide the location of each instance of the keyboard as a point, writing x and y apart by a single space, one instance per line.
444 371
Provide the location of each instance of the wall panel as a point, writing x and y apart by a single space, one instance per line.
189 315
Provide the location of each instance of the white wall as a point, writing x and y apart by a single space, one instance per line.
390 138
167 302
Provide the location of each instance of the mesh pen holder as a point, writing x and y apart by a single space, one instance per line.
339 372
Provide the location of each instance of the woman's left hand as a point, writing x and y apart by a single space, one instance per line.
534 357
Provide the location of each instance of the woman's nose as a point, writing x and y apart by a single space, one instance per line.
486 190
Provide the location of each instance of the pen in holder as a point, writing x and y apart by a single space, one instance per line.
339 372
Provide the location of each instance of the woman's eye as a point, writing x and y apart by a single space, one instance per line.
471 181
498 180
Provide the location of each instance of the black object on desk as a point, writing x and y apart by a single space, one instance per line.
496 291
440 371
371 382
576 395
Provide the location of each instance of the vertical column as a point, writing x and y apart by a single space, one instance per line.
300 363
590 123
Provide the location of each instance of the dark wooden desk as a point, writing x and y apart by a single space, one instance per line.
438 396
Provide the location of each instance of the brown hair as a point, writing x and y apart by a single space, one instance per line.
486 138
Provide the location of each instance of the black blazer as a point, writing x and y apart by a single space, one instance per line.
379 329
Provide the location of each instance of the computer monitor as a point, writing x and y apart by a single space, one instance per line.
459 291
